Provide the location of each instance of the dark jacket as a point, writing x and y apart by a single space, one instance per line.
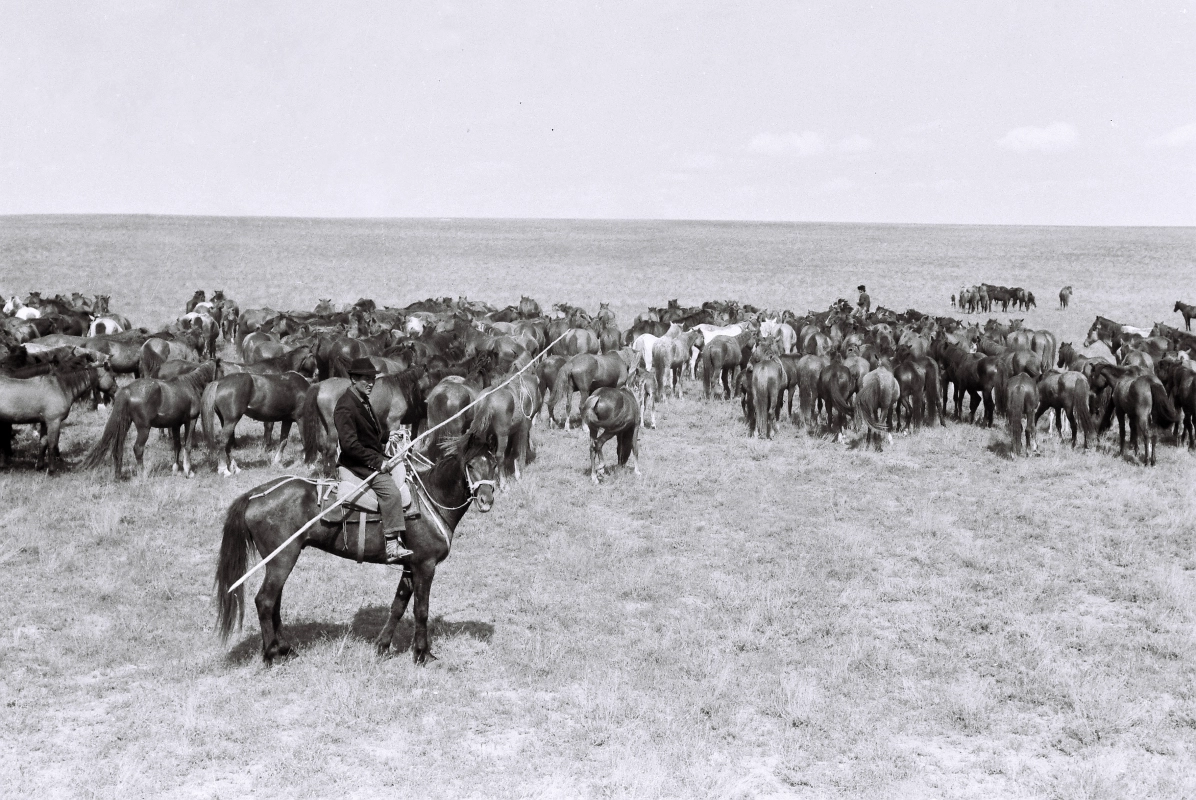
363 447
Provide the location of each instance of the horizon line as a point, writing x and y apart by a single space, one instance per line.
442 218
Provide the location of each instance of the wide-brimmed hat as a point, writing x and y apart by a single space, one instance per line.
362 367
861 288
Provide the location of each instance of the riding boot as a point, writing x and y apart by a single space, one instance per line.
395 552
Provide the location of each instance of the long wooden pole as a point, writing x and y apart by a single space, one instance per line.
387 467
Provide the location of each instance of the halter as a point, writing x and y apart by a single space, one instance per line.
473 485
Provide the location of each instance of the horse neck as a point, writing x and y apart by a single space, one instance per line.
77 383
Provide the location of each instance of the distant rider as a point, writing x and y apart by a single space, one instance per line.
363 451
864 304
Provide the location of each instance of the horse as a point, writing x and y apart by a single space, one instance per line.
396 400
584 373
1066 393
670 355
1180 381
156 351
1070 358
1064 297
577 341
1188 311
1021 402
265 398
722 357
876 398
836 385
265 516
46 400
612 412
151 403
1137 394
912 395
766 382
809 368
503 417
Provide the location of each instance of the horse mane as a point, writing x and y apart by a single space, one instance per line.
73 381
199 377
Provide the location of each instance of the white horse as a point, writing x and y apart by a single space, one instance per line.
14 307
104 325
788 336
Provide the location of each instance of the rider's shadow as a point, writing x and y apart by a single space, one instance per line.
366 625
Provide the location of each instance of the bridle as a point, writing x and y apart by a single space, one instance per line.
476 483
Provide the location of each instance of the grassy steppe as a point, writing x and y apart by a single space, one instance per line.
787 618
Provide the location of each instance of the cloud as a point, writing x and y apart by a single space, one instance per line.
806 143
1179 137
855 144
1053 138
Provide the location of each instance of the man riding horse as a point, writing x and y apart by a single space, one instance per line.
363 451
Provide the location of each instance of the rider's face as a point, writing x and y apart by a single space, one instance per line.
364 385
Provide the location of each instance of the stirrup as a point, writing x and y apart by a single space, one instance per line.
397 553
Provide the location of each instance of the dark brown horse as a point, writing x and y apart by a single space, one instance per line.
766 382
1138 395
1066 393
586 372
836 385
264 517
875 404
265 398
1188 311
1021 403
46 400
723 357
152 403
612 413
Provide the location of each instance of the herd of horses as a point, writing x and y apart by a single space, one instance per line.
480 379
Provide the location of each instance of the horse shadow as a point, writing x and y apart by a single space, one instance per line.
1001 448
366 625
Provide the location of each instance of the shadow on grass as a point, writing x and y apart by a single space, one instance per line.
366 625
1001 448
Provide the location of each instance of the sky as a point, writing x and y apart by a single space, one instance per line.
1070 113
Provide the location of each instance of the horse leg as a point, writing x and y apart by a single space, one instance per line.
188 436
269 435
53 431
502 438
177 440
269 603
283 435
397 609
226 434
424 572
1121 431
5 442
143 435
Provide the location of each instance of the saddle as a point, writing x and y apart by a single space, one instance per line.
364 506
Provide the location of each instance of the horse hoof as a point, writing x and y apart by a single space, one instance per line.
174 469
189 474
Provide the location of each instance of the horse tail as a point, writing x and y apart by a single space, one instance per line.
338 365
311 426
1015 409
589 417
918 412
867 403
561 390
1081 412
150 363
930 409
1165 414
234 556
207 413
838 400
708 368
112 440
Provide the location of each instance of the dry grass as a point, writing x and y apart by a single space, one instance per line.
790 617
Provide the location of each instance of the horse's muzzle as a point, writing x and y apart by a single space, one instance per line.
484 499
